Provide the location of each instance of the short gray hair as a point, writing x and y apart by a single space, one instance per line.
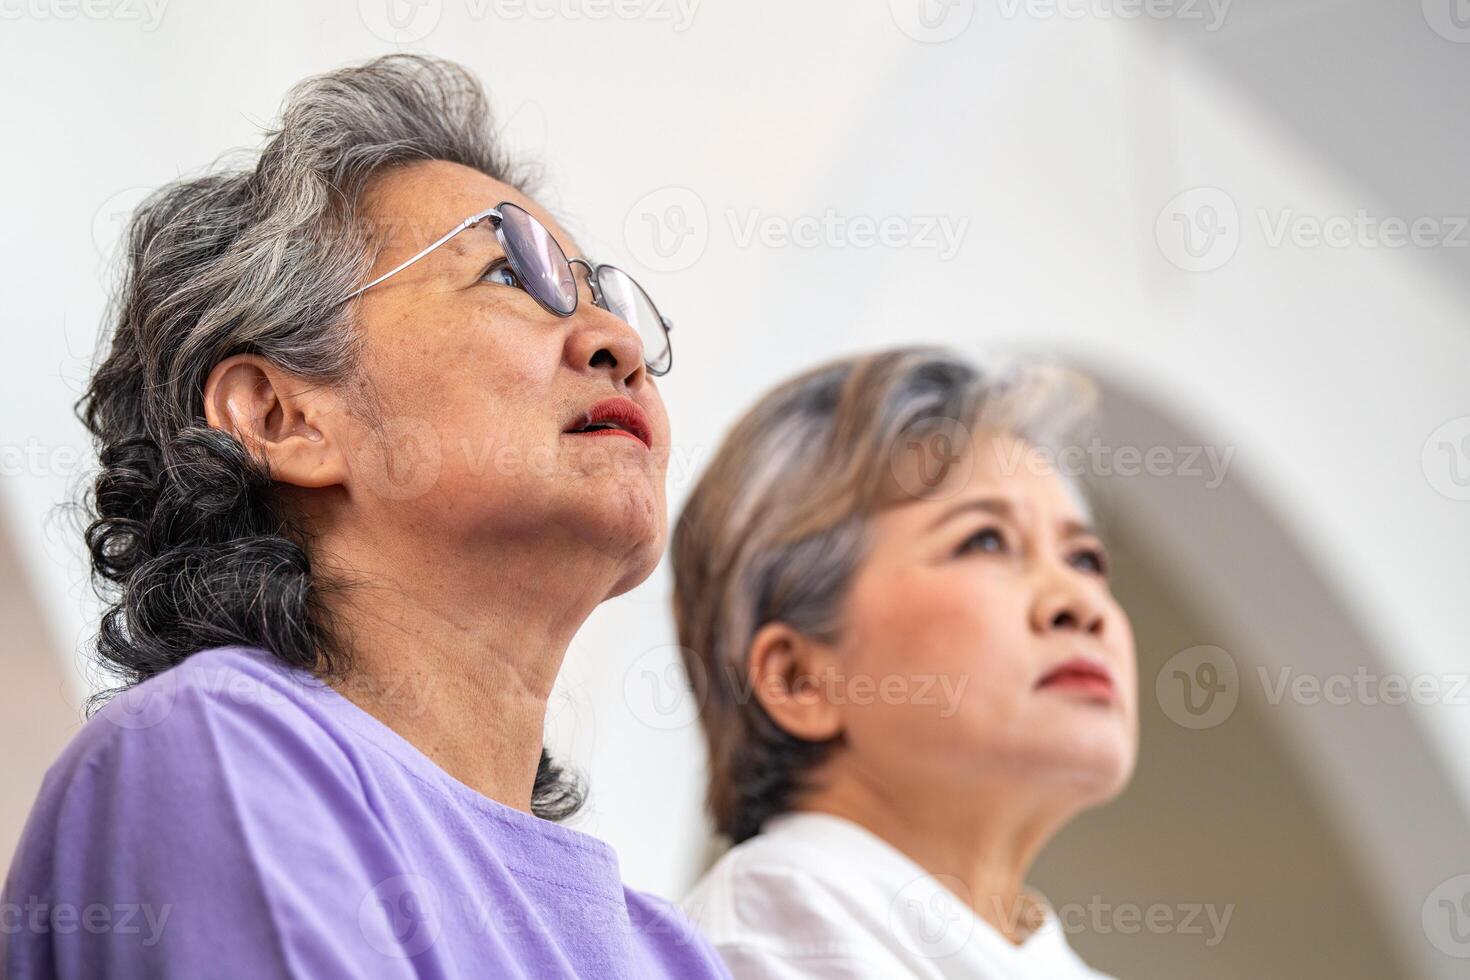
774 529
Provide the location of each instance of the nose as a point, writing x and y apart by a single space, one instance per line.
1068 605
601 343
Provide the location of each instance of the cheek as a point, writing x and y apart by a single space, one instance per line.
461 417
953 648
1127 660
938 620
442 359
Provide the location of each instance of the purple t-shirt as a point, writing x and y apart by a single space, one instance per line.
233 817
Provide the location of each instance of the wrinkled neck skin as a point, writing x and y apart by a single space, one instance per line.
457 655
978 839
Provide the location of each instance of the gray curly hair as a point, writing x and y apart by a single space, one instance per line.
189 542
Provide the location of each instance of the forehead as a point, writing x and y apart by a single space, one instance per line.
995 464
1004 461
412 205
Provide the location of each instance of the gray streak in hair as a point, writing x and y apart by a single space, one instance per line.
775 530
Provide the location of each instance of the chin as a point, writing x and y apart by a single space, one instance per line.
1093 770
619 512
628 526
1102 780
640 565
1112 785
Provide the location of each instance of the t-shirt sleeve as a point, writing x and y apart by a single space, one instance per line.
191 846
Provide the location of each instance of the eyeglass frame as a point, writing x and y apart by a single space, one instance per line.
494 216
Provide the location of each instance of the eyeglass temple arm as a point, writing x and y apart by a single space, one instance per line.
465 225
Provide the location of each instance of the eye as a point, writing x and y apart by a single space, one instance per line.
987 539
501 274
1095 560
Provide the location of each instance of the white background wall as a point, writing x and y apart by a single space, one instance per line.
1068 144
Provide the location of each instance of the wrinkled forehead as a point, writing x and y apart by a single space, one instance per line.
412 205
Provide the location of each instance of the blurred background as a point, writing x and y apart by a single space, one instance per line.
1247 219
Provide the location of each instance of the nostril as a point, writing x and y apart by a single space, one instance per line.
603 357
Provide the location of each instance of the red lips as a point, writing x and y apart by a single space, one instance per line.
614 416
1080 673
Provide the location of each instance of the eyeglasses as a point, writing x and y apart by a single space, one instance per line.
543 270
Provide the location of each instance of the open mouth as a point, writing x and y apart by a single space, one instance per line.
614 417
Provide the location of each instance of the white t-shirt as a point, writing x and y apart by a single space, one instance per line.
815 895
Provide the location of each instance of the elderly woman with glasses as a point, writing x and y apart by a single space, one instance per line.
372 449
912 673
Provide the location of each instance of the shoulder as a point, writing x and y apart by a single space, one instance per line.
815 855
771 892
221 687
228 759
664 927
227 715
221 798
815 894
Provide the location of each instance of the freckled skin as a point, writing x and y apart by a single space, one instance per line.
488 379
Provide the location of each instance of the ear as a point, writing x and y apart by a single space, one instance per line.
280 418
790 675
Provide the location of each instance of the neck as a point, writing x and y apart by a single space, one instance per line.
458 660
981 851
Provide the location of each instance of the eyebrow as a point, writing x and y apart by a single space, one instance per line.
1000 507
474 254
485 261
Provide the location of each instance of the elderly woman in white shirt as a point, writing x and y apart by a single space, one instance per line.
912 671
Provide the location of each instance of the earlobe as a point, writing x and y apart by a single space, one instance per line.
789 674
279 418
